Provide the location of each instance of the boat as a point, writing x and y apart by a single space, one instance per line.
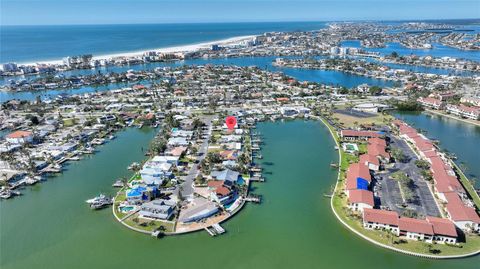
111 137
98 141
31 180
96 199
133 166
99 202
118 184
100 205
5 194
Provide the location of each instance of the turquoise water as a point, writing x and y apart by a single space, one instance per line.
51 226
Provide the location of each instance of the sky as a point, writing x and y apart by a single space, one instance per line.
47 12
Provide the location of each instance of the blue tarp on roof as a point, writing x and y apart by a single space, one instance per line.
362 184
138 191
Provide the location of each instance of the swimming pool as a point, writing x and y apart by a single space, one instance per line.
125 209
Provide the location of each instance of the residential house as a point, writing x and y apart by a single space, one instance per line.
20 137
158 209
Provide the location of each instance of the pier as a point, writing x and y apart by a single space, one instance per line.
254 198
215 229
257 179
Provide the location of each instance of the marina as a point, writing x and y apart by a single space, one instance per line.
260 135
83 180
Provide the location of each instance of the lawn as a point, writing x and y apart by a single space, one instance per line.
468 186
352 121
149 225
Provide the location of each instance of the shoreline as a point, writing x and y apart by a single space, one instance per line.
366 237
171 49
429 111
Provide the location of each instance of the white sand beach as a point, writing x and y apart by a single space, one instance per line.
185 48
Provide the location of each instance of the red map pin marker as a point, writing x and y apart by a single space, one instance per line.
231 121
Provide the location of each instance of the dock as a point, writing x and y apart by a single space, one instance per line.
215 229
254 198
256 169
257 179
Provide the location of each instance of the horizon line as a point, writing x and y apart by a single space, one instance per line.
238 22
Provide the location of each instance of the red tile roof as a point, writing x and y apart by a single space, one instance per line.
443 226
354 133
222 190
215 183
380 216
19 134
368 158
377 150
359 170
430 153
361 196
405 129
377 141
415 226
458 211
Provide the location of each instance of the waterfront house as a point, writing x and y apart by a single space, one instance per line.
371 161
464 217
443 229
431 102
136 195
220 193
415 229
176 151
165 159
358 135
381 219
360 199
227 175
464 111
158 209
155 172
20 137
358 177
198 209
177 141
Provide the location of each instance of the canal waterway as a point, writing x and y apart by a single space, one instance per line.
455 136
52 227
322 76
438 50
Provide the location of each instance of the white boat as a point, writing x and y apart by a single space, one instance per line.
111 137
5 194
31 181
118 184
97 199
133 166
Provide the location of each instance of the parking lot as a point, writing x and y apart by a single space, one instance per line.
389 191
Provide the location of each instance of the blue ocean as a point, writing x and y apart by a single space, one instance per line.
35 43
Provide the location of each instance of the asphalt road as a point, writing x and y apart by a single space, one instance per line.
187 185
423 201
